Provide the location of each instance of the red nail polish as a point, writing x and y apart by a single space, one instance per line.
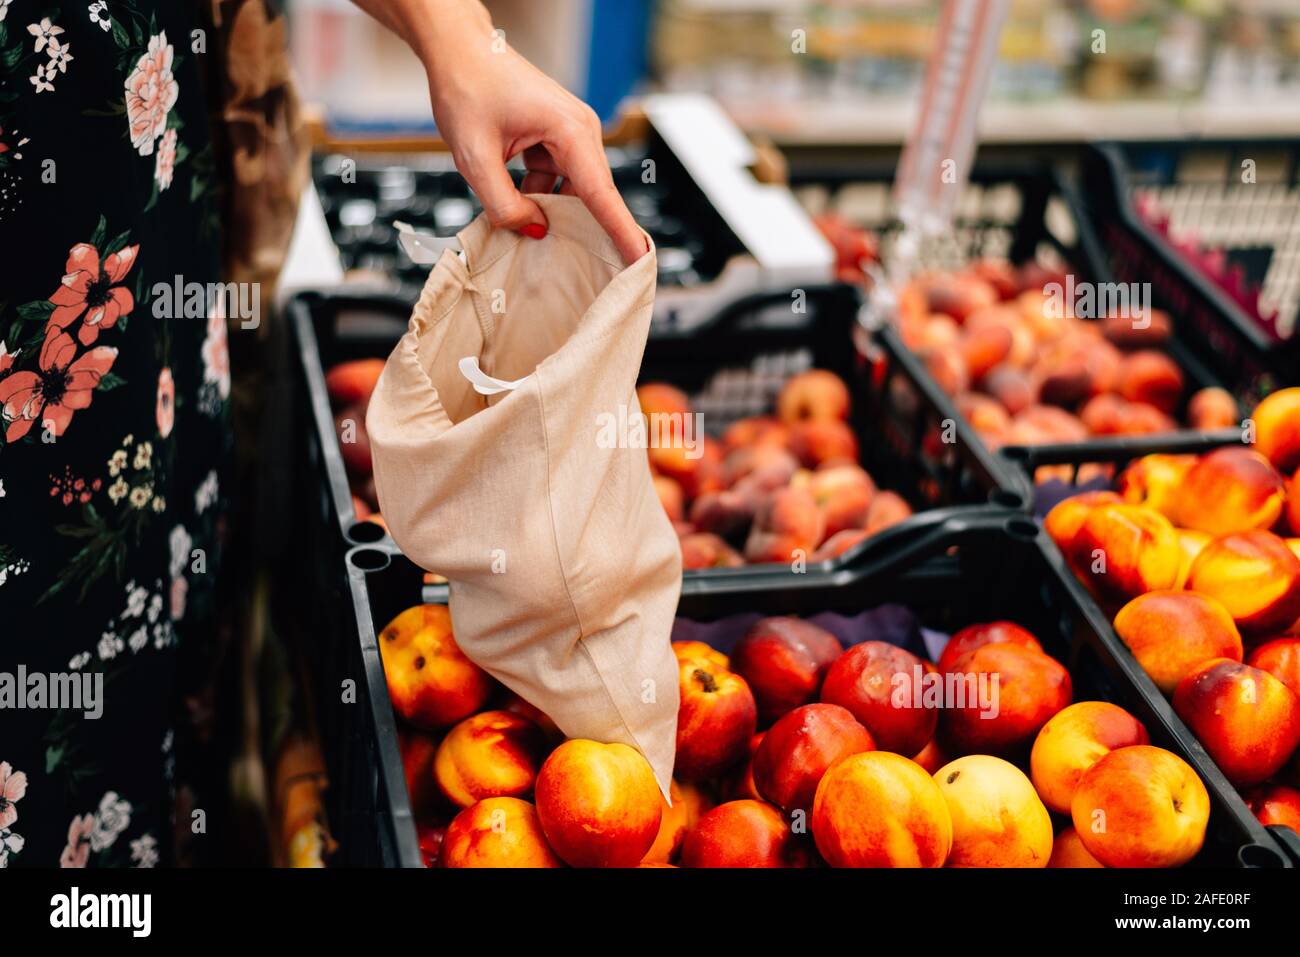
534 230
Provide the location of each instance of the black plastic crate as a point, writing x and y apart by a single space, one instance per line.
1022 210
732 367
975 567
1201 179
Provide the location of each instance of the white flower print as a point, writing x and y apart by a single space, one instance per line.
155 607
144 851
165 164
180 545
97 15
163 634
4 9
143 455
41 79
109 646
113 817
140 496
117 491
43 31
117 463
204 496
136 596
80 661
2 488
59 55
10 843
139 638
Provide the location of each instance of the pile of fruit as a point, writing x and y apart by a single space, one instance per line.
1191 555
1024 370
349 386
794 751
775 488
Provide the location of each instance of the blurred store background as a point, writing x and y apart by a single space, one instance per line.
808 72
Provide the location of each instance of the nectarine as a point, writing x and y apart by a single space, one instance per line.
1171 632
1075 739
497 832
997 817
797 750
430 680
784 661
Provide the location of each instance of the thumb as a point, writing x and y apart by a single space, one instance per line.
505 206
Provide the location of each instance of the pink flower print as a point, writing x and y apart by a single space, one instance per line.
165 164
90 287
151 92
165 406
13 785
78 850
63 385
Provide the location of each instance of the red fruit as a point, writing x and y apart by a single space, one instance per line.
784 661
977 636
351 383
797 750
743 834
879 684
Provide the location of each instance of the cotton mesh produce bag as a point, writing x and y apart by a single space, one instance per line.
564 570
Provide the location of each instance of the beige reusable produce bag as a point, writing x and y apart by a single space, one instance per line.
564 569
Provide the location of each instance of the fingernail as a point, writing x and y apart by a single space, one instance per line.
534 230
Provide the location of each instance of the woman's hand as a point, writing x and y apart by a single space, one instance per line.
491 104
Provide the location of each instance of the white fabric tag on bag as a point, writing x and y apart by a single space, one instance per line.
483 383
423 248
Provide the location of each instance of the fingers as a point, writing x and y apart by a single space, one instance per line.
581 157
505 206
537 182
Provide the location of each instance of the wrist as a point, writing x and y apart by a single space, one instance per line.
442 32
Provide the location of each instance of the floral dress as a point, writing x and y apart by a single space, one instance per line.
114 423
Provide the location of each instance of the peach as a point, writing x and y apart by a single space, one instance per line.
818 441
958 295
660 398
1006 694
429 836
1152 377
879 809
977 636
1125 333
931 757
983 348
1041 424
352 382
1255 576
1212 408
674 822
1154 481
1172 632
676 462
705 550
1231 489
430 680
879 684
1293 503
772 464
797 750
715 720
1065 519
491 754
727 514
815 394
1068 851
1141 806
417 751
497 832
997 817
701 651
1280 657
887 509
1275 804
670 497
1105 414
755 430
1072 741
784 661
986 415
1277 429
1123 551
1247 720
999 274
846 509
787 525
839 543
598 804
1191 542
743 834
948 369
1011 387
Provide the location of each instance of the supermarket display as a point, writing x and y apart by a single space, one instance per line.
789 711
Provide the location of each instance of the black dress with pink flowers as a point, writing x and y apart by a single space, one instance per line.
114 425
